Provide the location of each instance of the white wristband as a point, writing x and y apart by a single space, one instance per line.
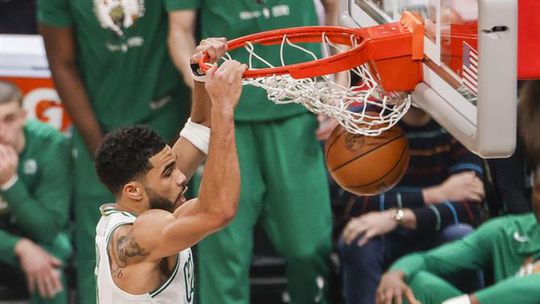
5 186
197 134
464 299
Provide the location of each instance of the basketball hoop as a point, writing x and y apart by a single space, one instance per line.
386 58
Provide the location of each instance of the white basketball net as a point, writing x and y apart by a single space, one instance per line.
361 109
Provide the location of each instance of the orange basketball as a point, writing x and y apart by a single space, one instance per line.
366 165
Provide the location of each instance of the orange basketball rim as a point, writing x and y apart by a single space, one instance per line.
394 51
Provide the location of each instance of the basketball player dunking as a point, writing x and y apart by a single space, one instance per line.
143 240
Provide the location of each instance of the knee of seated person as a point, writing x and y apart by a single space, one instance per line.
455 232
365 253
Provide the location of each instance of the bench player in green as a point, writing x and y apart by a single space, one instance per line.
111 66
35 195
510 245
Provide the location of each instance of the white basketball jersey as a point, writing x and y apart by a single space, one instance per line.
178 288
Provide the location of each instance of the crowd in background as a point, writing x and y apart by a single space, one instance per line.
115 64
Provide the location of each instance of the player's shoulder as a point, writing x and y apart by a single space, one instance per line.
153 219
154 214
150 224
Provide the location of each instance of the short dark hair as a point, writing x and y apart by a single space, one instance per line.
9 92
529 118
123 155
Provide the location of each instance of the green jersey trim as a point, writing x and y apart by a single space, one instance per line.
112 231
107 210
156 292
110 212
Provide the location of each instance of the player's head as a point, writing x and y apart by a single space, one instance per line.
136 165
12 116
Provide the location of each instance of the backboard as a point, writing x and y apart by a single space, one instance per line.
469 68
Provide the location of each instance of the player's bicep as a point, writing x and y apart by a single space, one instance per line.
148 230
164 234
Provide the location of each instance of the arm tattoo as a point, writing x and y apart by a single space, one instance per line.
116 272
126 247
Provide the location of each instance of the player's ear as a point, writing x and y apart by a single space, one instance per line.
133 190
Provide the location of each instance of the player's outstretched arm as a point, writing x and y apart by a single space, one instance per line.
164 234
191 147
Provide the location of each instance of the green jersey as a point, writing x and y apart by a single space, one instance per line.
232 19
122 55
510 245
37 205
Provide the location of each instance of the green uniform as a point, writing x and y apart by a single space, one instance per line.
284 184
37 205
125 66
509 245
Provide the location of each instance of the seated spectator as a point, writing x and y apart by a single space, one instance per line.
436 201
508 244
35 192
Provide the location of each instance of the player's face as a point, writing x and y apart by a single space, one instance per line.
536 194
12 118
165 184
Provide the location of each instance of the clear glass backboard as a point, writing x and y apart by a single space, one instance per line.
469 68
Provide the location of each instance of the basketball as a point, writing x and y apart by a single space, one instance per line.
366 165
